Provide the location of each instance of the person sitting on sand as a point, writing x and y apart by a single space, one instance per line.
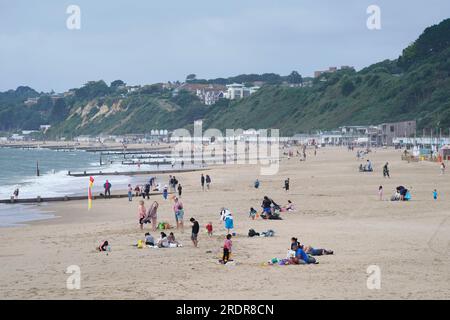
294 241
149 240
288 208
257 183
163 241
171 239
301 257
103 247
267 206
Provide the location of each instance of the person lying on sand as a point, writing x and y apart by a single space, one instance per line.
317 252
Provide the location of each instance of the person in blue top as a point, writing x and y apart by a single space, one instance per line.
301 257
435 194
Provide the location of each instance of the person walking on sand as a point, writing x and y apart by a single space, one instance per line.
380 192
386 170
442 168
208 181
141 214
202 181
286 184
179 213
180 190
195 230
435 194
107 187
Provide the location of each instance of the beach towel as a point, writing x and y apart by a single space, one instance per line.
268 233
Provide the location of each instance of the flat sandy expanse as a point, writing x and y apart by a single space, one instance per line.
337 208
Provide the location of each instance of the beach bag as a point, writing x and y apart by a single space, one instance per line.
252 233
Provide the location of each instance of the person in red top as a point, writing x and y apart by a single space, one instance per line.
209 228
227 249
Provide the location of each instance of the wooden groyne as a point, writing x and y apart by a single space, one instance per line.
131 173
68 198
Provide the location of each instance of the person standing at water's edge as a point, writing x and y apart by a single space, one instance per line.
107 187
195 230
130 193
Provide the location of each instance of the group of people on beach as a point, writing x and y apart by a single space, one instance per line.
205 179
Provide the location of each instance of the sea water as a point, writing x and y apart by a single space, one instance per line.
18 170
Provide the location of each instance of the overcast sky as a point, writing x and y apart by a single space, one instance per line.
152 41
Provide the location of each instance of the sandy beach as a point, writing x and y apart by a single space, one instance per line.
337 208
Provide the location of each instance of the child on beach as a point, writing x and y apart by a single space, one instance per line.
165 193
180 190
227 249
130 193
252 213
380 192
149 240
209 229
435 194
172 241
141 214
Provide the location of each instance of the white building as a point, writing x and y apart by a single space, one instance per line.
239 91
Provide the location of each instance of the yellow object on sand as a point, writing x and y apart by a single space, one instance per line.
140 244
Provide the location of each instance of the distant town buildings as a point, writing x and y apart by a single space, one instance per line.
318 74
